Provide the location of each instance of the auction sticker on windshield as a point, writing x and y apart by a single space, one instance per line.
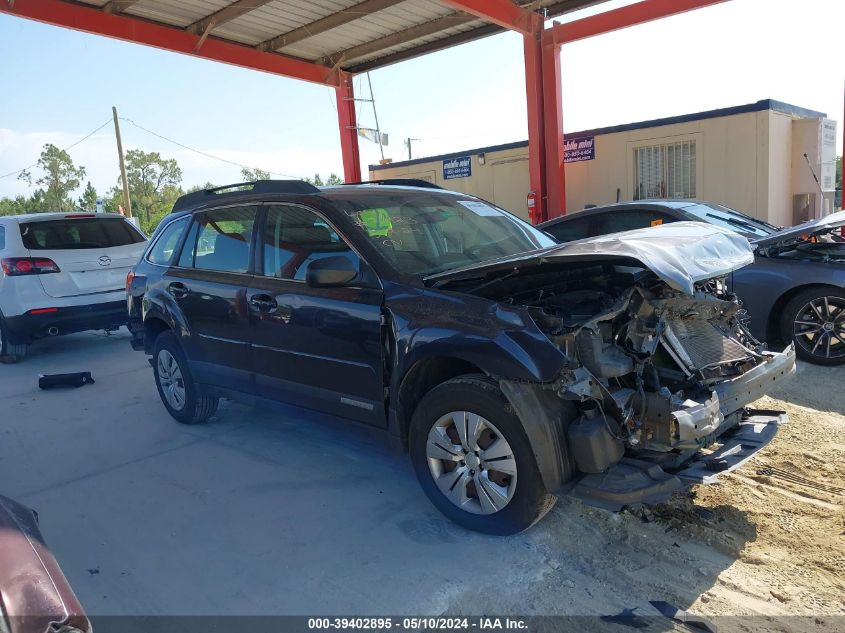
479 208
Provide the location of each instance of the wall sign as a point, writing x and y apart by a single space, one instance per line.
579 148
457 167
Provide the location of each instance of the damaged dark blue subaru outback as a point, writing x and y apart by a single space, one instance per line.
513 369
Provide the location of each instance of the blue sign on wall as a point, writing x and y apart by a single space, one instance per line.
579 148
457 167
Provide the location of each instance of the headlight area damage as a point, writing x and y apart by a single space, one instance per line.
659 366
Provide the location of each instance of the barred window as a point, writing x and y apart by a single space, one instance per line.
665 171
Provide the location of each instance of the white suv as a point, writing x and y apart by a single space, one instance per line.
63 273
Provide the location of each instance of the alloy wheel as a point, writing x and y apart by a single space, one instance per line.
471 462
171 380
819 327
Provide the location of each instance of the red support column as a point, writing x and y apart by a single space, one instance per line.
536 127
553 118
348 125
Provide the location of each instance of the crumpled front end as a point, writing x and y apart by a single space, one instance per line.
661 380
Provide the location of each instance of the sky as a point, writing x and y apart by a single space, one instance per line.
59 85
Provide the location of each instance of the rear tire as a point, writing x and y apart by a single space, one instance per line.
10 352
179 393
489 484
815 321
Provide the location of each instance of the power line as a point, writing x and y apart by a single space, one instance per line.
64 149
206 154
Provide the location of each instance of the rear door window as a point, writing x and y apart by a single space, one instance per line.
630 220
220 240
162 251
78 233
570 230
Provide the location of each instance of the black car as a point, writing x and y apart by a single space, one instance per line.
794 290
509 367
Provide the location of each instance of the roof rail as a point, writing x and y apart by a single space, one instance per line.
196 198
399 182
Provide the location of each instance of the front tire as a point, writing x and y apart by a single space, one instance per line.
815 320
10 352
473 459
176 387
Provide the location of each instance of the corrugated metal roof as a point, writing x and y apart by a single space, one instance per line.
350 34
181 13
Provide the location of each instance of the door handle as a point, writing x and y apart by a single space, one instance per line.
178 290
263 303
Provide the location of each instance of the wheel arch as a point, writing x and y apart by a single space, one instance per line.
153 327
423 376
543 415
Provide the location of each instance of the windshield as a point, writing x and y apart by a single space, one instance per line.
427 232
730 219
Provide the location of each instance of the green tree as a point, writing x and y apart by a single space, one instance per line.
22 204
153 185
196 188
317 180
59 178
88 201
251 175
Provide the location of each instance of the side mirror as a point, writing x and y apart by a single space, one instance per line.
328 272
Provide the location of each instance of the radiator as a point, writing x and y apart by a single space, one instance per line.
705 344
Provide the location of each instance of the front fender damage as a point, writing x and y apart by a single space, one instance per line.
543 416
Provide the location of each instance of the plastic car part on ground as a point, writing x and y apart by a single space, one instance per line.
77 379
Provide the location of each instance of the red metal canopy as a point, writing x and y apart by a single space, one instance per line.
328 41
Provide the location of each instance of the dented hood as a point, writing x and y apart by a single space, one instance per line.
680 253
810 227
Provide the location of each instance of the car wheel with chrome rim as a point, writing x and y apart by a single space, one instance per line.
473 459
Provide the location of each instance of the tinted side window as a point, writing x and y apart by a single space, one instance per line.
2 237
570 230
162 251
294 237
220 240
630 220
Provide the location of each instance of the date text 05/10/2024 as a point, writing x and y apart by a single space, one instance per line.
418 623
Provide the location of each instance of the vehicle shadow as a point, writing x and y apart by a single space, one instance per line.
592 562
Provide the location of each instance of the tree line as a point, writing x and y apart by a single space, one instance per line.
154 185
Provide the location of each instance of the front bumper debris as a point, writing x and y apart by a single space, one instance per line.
757 382
740 444
634 482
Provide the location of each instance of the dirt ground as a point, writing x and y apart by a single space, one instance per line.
790 538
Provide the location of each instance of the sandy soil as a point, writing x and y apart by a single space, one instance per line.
793 557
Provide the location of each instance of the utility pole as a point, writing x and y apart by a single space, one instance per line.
408 145
375 116
127 204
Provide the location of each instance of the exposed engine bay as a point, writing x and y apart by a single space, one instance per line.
817 251
649 368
